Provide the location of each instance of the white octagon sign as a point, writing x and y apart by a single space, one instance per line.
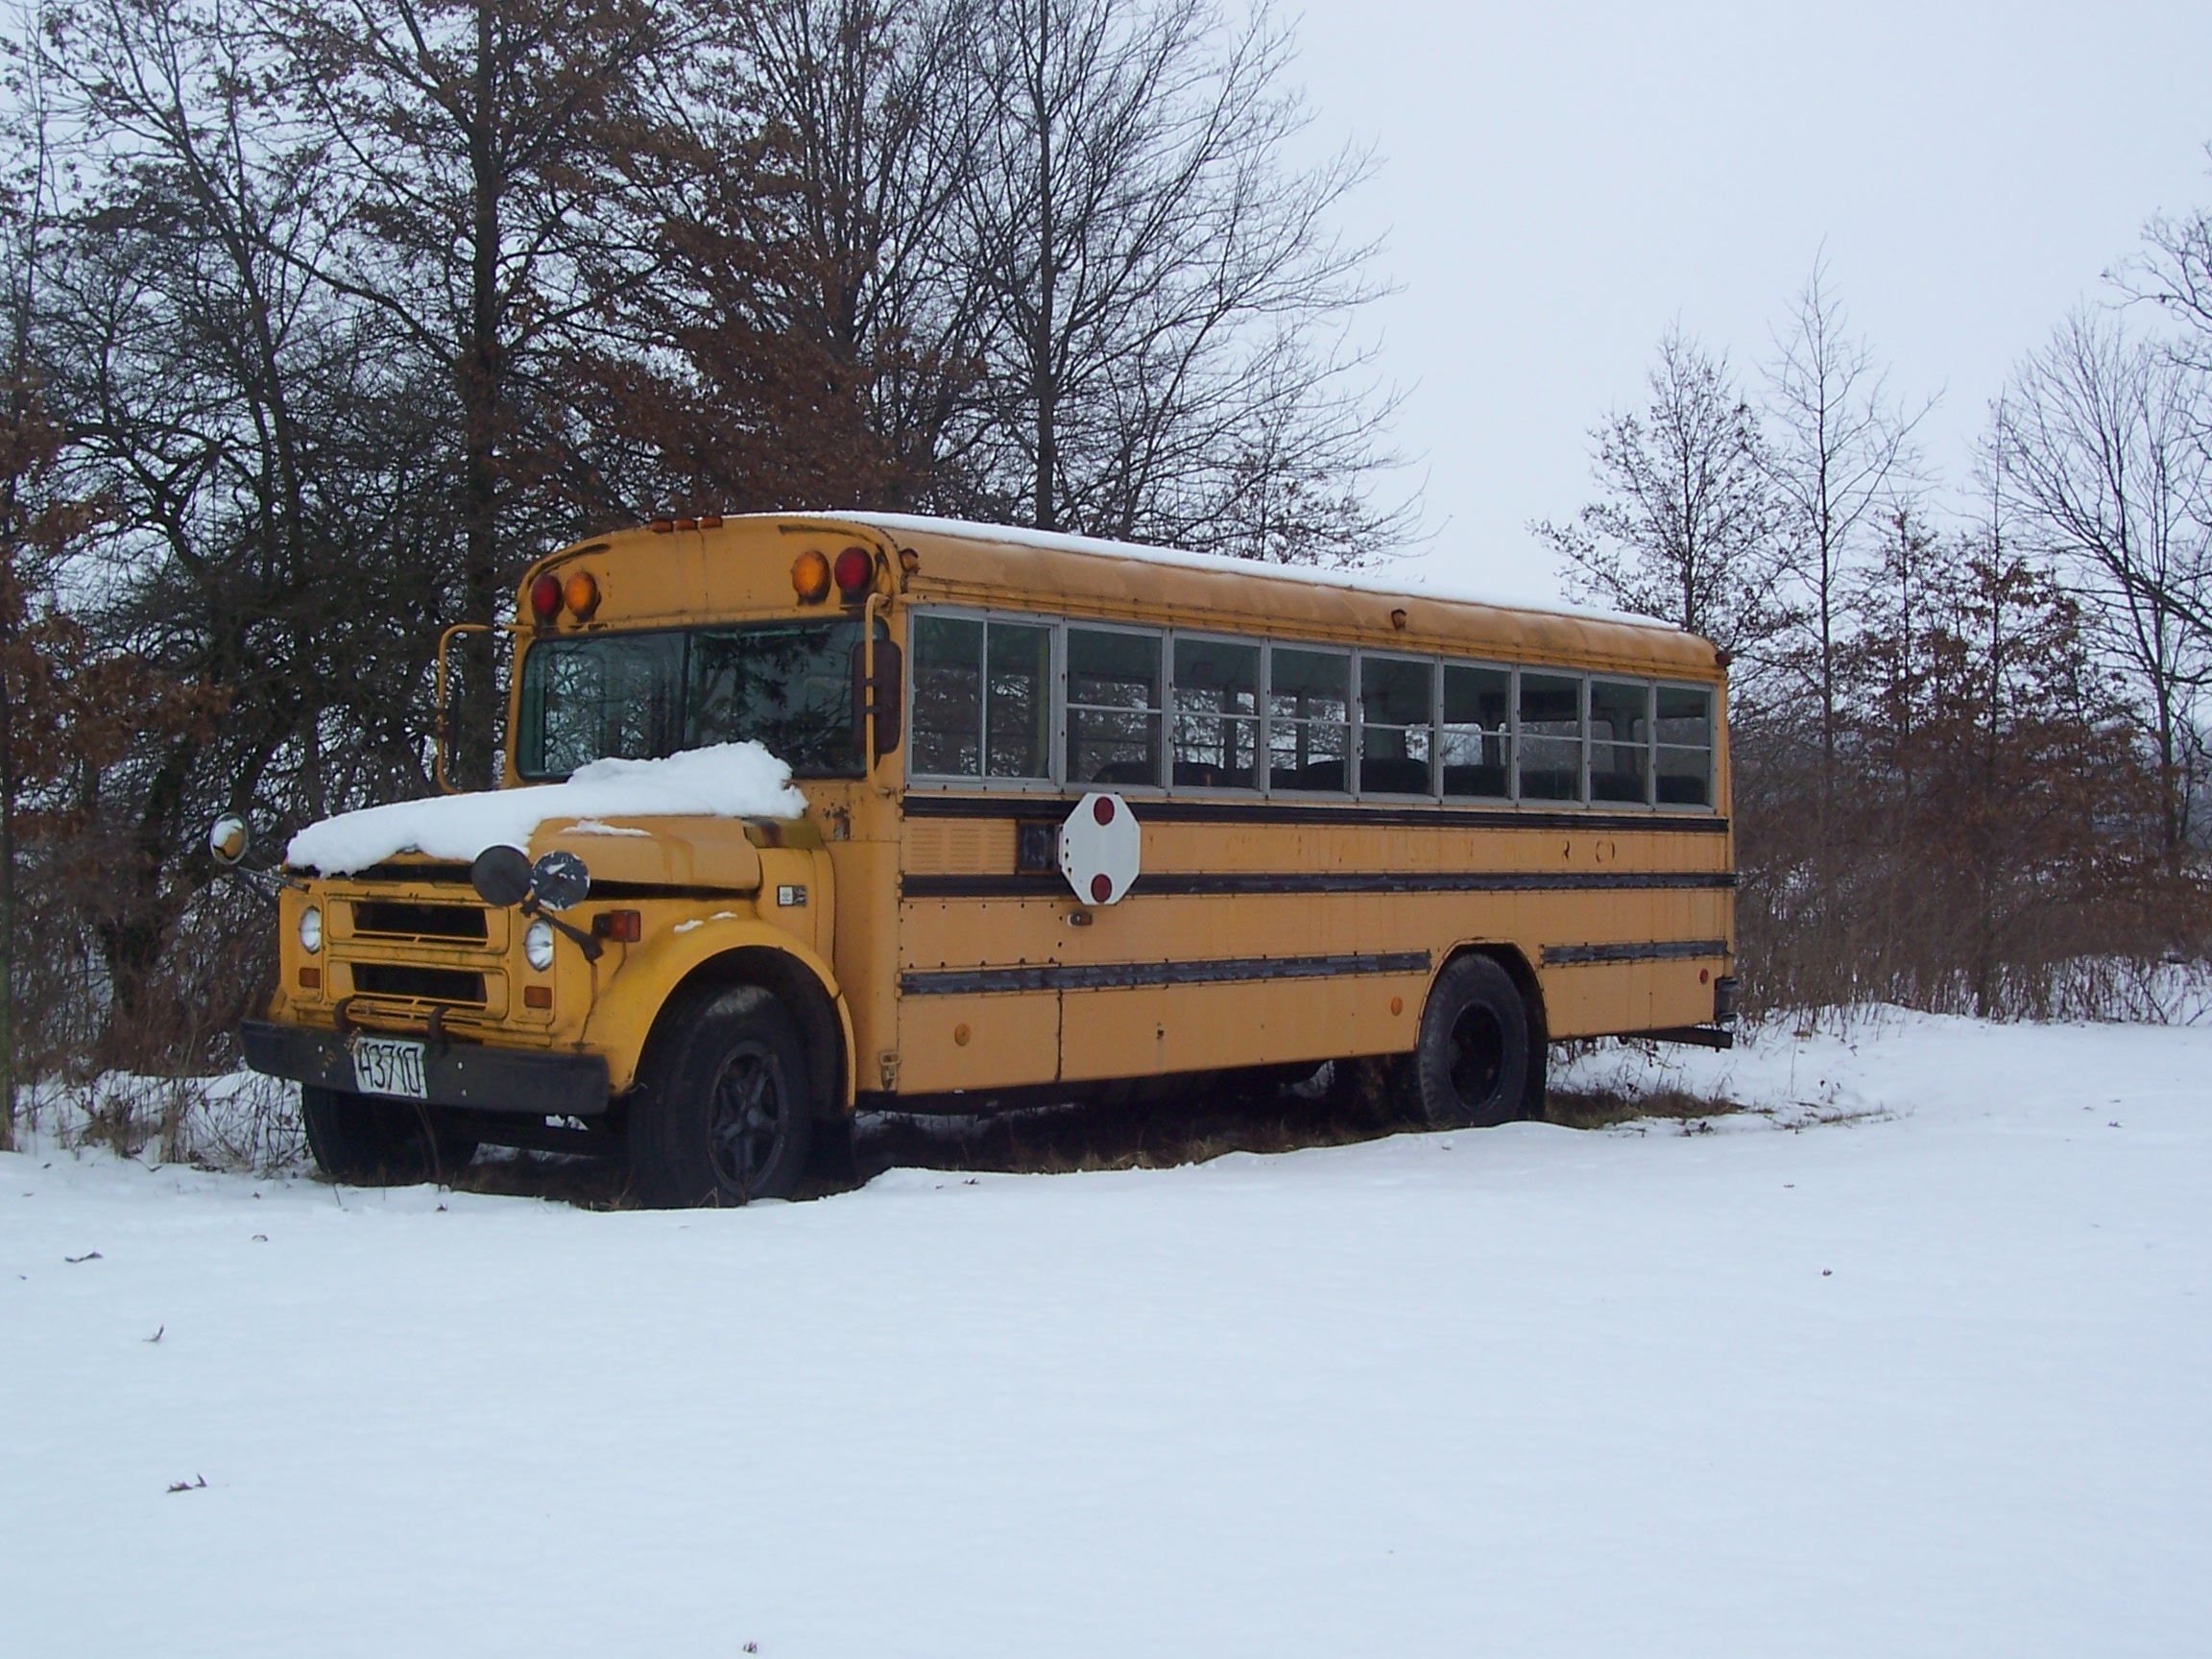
1099 845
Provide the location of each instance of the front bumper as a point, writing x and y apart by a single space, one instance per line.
455 1073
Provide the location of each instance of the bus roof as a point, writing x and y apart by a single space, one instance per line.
1339 598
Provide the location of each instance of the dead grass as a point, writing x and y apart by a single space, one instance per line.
1606 1108
587 1183
1091 1136
1087 1136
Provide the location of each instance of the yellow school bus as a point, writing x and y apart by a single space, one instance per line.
1076 816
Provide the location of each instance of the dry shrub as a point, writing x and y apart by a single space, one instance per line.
241 1123
1987 821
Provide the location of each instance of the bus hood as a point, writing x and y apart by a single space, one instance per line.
593 813
706 854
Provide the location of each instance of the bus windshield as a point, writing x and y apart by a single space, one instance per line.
787 686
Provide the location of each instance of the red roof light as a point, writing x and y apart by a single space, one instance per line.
854 571
546 597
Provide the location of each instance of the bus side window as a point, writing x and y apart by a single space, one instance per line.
1550 737
1309 719
1477 746
946 718
1396 706
1217 715
1114 707
1685 733
1620 740
1018 713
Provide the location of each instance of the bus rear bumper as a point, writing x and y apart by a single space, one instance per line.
463 1075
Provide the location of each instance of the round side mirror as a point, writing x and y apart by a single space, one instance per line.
501 875
560 880
228 839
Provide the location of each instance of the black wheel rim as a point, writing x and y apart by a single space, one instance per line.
1477 1056
747 1128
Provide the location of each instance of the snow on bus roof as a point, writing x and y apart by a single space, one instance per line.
1359 580
723 781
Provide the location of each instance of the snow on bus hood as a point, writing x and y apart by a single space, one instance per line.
728 781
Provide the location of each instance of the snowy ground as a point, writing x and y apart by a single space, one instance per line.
1928 1378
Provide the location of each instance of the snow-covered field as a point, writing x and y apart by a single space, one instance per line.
1930 1376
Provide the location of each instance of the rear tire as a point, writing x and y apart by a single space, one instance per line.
371 1141
1471 1065
722 1113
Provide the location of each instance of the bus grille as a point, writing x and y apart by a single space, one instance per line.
426 984
398 919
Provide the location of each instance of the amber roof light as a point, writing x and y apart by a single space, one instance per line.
810 577
581 595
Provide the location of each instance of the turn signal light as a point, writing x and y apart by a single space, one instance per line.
310 979
581 595
537 995
546 597
623 926
856 572
810 577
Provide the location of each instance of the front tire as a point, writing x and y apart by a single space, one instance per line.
1470 1066
723 1112
370 1142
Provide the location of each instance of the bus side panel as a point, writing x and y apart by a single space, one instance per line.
1152 1030
998 1040
866 947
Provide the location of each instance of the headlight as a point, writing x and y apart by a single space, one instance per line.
311 929
538 944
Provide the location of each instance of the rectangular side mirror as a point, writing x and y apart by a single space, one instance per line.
880 699
890 695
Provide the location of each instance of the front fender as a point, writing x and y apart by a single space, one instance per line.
623 1013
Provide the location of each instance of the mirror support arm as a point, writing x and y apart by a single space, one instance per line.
591 947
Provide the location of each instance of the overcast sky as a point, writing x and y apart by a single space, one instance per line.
1558 181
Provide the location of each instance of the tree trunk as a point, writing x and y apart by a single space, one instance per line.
481 390
1041 349
7 898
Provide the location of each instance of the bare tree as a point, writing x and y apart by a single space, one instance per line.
2101 445
871 109
1159 286
2173 272
1840 459
1682 525
268 492
480 144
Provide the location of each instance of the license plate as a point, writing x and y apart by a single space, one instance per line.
389 1066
